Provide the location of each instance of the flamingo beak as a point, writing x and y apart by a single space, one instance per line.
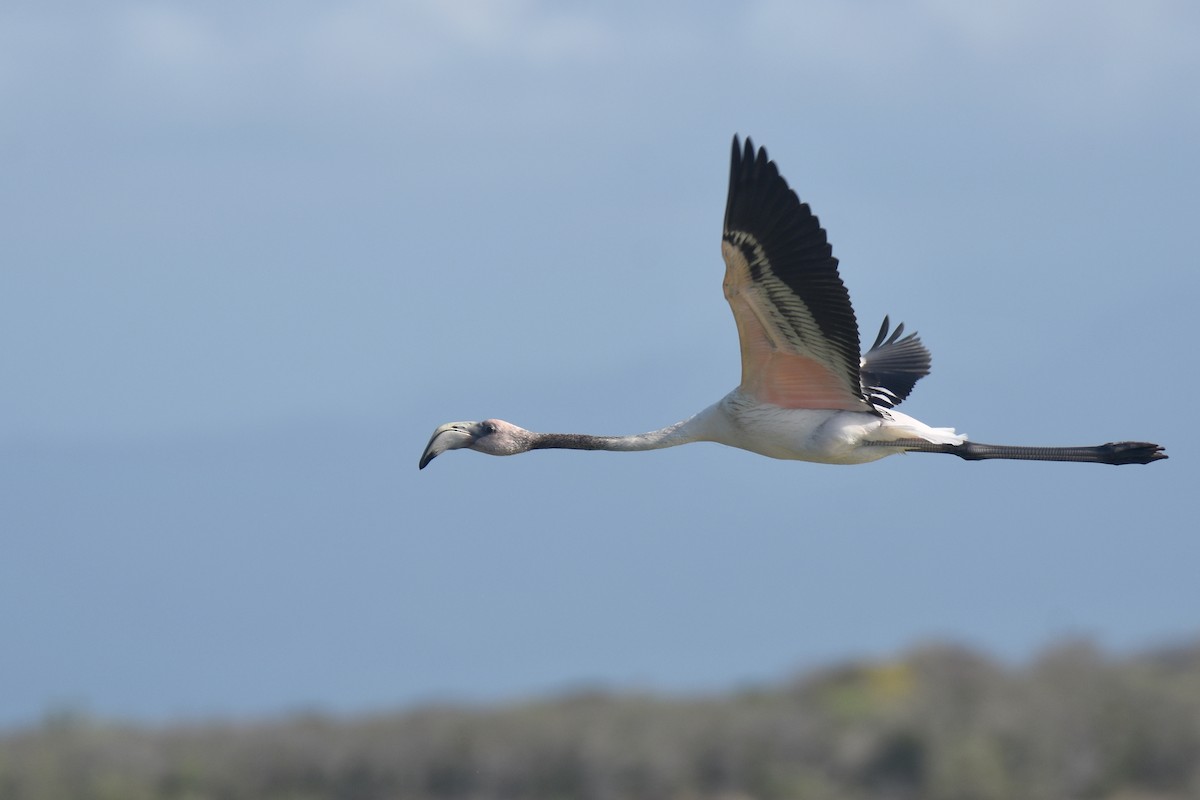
451 436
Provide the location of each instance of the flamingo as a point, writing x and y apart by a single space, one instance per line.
805 393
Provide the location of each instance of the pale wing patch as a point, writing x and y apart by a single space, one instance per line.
785 360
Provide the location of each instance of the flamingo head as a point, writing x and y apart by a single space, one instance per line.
492 436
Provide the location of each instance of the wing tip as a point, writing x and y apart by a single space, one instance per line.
747 154
747 166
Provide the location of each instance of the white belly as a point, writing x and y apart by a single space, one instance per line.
828 437
804 434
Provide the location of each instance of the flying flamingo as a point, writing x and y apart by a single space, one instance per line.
805 392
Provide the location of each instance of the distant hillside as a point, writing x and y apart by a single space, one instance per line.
942 723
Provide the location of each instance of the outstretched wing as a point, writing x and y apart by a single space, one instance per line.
799 337
893 366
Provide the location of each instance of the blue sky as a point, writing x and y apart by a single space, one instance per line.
255 253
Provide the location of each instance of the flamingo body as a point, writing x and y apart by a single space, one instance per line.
806 393
826 436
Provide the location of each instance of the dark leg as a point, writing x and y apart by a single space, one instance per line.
1111 453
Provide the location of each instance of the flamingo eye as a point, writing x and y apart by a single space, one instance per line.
489 428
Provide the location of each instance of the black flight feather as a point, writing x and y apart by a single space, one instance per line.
893 366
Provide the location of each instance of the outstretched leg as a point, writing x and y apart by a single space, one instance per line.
1111 453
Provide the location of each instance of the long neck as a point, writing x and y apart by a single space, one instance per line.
1111 453
670 436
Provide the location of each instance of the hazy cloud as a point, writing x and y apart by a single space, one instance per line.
1099 51
359 38
1072 55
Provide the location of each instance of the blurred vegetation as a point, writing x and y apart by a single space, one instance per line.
941 723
